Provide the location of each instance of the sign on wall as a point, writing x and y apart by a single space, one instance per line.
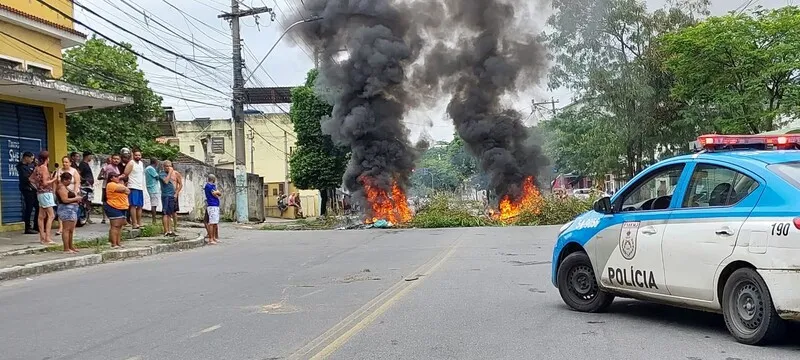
217 145
12 149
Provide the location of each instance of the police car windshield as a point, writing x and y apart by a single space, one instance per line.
789 171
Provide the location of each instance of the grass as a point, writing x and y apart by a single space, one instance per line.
448 211
445 211
326 223
101 243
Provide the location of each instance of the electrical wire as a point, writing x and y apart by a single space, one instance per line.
156 20
215 75
51 7
263 138
96 72
86 8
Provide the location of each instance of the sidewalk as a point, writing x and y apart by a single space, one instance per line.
22 255
17 242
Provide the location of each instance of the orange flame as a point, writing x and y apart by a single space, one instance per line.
392 208
531 200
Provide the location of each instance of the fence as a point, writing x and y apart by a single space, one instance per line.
192 199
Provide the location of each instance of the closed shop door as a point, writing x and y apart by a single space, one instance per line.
22 128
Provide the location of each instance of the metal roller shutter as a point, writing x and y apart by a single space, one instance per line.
22 128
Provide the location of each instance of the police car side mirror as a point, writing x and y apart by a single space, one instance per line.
603 206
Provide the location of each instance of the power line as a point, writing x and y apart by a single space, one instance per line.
155 19
194 18
97 72
124 47
265 139
139 37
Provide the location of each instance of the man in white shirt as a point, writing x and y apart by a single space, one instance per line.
134 172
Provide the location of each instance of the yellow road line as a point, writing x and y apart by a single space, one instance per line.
370 311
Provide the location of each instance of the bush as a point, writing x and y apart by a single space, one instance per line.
444 211
556 210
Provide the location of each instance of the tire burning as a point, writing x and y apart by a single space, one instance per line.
368 96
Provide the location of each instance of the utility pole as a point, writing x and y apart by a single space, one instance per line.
251 137
240 170
552 102
316 57
286 161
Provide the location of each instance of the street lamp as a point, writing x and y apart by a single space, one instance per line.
312 19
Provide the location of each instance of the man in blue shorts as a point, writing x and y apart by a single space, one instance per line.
169 197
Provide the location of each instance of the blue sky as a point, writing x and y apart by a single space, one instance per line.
196 21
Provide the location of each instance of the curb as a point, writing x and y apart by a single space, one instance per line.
44 267
127 234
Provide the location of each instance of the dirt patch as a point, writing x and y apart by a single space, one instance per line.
280 308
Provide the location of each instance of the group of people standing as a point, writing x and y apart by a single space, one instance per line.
49 194
125 179
124 176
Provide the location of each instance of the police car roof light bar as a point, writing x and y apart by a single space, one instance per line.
762 142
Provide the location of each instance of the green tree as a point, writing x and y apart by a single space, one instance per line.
435 171
316 162
97 65
463 163
605 52
737 73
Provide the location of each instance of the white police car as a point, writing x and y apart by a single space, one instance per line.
718 231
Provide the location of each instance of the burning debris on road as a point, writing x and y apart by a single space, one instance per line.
368 96
477 52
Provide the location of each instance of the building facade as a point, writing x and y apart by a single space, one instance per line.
33 103
270 140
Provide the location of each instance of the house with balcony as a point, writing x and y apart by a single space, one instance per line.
34 103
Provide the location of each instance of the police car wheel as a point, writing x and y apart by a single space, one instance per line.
748 310
578 286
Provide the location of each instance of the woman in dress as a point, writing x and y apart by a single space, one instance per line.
74 186
67 211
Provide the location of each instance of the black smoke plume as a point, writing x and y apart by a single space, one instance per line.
484 51
367 88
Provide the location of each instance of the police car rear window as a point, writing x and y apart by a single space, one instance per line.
788 171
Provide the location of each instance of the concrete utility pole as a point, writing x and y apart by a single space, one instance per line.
286 161
240 170
251 136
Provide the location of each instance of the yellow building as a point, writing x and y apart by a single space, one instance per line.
33 103
270 141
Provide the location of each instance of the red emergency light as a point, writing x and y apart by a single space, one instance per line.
765 142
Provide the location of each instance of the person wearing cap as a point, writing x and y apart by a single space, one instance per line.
26 167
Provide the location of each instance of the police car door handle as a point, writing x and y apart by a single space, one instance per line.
649 230
725 231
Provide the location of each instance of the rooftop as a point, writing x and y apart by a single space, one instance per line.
68 35
76 98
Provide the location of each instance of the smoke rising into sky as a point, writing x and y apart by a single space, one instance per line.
406 54
367 88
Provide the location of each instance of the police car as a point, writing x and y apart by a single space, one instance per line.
718 230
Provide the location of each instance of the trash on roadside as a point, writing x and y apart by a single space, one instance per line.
382 224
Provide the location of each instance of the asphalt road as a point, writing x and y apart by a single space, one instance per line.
481 293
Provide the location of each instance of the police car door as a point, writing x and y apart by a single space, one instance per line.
631 260
703 231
